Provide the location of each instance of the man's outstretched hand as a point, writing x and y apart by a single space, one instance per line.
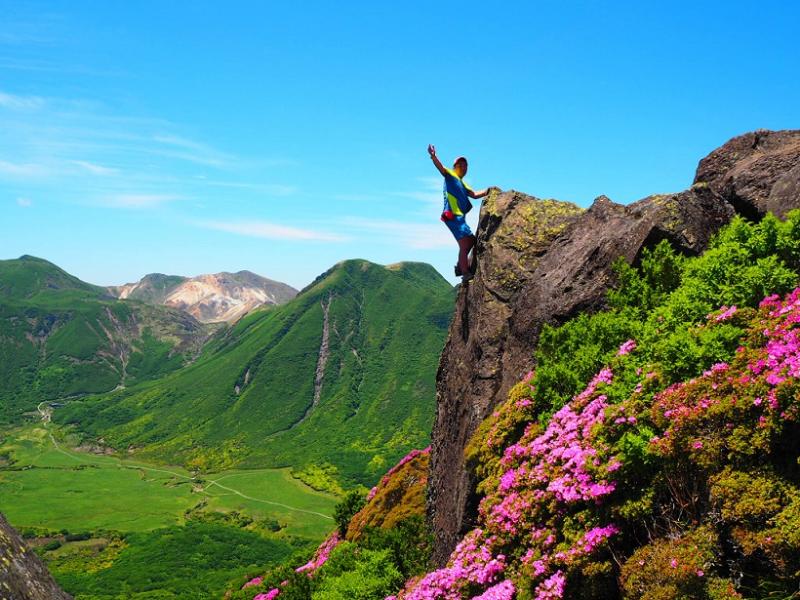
436 162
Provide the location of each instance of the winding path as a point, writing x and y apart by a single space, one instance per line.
46 414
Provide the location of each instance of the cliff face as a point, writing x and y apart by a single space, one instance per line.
542 262
23 576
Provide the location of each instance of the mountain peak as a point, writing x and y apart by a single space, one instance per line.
209 298
422 274
28 275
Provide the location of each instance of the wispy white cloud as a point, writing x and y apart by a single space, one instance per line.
15 169
15 102
274 189
92 154
185 149
426 198
24 202
95 169
420 236
271 231
136 201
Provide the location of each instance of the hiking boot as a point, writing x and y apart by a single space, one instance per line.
457 270
467 278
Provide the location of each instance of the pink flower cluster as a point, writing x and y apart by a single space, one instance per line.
403 461
748 389
782 359
253 582
723 314
321 555
502 591
543 475
552 588
626 348
472 562
320 558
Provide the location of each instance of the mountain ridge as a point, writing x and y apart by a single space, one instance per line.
210 298
60 336
352 356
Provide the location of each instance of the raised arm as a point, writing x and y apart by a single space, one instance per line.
437 163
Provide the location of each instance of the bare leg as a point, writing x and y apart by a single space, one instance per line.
465 244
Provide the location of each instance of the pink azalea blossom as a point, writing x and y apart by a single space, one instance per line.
321 555
253 582
626 348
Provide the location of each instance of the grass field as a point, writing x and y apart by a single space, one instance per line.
47 485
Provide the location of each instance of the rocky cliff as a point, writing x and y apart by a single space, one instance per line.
543 261
23 576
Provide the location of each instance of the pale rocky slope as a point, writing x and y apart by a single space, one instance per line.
208 298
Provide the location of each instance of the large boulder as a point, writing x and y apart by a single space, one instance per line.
23 576
757 172
543 262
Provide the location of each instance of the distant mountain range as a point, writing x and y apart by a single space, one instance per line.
338 381
208 298
62 337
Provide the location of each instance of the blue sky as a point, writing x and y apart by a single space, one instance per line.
198 137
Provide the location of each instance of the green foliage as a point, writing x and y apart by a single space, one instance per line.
661 302
322 477
52 545
373 567
352 573
61 337
409 544
353 502
198 559
671 568
659 273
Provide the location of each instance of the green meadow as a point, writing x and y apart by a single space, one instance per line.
49 485
111 528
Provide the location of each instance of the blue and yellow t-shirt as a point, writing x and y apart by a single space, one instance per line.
455 194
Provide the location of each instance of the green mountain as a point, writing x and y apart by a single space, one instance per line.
62 337
340 380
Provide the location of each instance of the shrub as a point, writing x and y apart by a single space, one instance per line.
353 502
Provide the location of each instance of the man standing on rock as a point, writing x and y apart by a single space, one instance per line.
456 206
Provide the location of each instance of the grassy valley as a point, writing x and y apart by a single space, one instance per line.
111 527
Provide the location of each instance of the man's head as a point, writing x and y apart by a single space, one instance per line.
460 166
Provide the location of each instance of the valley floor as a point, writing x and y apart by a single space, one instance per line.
53 492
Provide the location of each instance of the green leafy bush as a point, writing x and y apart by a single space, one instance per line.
353 502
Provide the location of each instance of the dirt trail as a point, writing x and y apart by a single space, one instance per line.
46 411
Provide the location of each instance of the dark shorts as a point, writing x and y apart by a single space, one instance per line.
459 228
